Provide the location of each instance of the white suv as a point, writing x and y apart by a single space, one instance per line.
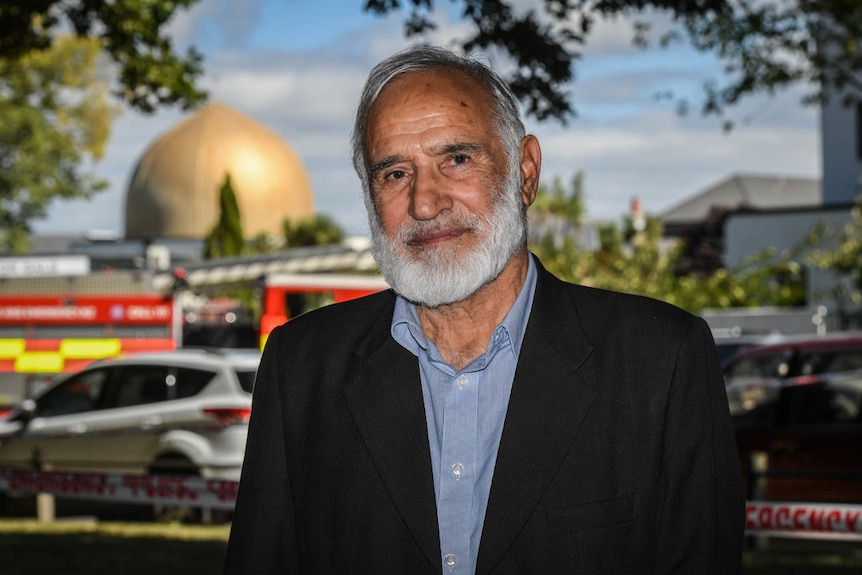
180 412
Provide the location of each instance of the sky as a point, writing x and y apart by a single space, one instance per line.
298 66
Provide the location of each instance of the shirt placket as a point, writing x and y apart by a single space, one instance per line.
458 468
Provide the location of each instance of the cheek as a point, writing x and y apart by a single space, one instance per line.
390 217
482 202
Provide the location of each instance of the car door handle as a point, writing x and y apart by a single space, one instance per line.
151 422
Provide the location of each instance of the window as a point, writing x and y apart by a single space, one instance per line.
845 360
756 367
78 394
246 379
141 384
824 403
190 381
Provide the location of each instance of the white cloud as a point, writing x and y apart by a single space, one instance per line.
626 143
662 158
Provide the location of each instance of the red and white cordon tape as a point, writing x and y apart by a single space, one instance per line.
804 520
786 519
171 490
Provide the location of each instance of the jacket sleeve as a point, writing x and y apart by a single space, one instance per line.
701 514
263 531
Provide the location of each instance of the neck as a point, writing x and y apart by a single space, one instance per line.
461 331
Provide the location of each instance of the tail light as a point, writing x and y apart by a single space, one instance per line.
228 416
806 379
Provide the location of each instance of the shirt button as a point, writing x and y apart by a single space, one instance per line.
458 470
450 560
463 381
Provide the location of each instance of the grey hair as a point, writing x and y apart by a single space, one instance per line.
506 112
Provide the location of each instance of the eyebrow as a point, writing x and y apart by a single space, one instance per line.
460 147
382 164
455 148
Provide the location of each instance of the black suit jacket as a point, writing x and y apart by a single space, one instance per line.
617 454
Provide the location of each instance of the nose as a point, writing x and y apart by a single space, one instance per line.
429 195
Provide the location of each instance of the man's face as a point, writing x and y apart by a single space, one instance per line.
447 210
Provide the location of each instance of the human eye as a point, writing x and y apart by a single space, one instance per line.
460 155
388 171
394 175
460 159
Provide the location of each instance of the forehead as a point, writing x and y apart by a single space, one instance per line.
442 95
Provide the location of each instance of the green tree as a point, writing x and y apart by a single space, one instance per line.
635 259
316 230
556 223
264 243
839 249
54 118
556 204
226 238
131 32
764 45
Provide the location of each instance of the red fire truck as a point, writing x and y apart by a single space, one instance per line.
287 295
48 334
43 335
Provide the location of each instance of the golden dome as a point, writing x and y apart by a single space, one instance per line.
174 192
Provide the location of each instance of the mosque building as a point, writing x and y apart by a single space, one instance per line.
172 199
173 192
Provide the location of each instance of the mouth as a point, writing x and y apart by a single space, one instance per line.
434 237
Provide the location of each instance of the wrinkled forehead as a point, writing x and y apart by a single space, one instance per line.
445 80
452 90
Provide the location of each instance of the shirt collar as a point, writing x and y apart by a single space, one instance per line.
407 330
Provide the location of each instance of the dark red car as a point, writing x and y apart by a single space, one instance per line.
796 356
797 413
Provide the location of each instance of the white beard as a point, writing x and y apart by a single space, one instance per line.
439 275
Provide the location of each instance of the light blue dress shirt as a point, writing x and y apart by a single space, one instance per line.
465 411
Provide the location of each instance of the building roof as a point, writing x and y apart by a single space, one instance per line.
174 190
246 270
748 191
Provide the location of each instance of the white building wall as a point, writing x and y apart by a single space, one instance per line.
747 234
842 151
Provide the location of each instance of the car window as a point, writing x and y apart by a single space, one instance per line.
727 349
141 384
246 379
825 402
844 360
756 367
77 394
189 381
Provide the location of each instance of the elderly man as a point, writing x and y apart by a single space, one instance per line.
481 416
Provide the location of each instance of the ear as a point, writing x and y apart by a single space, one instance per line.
531 166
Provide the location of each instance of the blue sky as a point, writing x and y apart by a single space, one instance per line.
297 67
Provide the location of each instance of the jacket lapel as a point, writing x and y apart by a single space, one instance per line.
551 393
386 402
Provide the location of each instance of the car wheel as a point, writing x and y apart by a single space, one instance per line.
174 465
181 465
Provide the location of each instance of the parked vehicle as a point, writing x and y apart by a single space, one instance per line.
794 357
177 412
730 342
800 438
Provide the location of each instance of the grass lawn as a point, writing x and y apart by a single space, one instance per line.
98 548
69 547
